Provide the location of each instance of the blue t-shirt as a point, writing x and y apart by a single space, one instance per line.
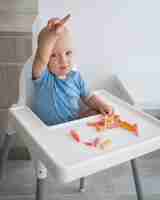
58 100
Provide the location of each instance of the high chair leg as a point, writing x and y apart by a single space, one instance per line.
82 184
8 142
41 181
137 182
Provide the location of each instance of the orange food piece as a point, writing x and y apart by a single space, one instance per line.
133 128
100 128
75 135
107 122
94 124
114 121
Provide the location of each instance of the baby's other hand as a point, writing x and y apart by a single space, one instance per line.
103 107
106 109
97 103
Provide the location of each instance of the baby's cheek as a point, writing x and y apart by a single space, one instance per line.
70 62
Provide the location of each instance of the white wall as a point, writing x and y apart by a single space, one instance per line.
111 35
134 40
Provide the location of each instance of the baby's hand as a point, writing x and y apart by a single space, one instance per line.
97 103
106 109
48 36
87 113
102 106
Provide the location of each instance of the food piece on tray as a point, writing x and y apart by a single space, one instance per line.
89 144
130 127
113 121
105 145
75 135
96 142
93 143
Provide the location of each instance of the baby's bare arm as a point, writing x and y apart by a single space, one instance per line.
96 103
46 41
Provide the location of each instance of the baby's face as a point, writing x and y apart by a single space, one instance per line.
60 62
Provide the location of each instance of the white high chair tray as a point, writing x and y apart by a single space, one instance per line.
69 160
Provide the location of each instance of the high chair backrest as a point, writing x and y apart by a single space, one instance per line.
26 88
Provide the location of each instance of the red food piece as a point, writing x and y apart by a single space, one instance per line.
96 141
75 135
89 144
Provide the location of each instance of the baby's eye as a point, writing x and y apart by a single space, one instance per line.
68 53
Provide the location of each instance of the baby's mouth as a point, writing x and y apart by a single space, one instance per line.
63 67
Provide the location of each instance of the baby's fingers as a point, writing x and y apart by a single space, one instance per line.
107 110
56 24
110 110
60 25
52 22
102 111
64 20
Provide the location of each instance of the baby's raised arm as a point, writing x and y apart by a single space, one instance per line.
46 41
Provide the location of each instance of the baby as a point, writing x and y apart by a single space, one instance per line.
58 87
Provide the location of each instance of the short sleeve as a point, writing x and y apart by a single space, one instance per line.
43 76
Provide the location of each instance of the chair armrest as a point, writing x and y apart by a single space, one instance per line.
115 87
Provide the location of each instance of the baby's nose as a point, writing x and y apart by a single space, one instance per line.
63 60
